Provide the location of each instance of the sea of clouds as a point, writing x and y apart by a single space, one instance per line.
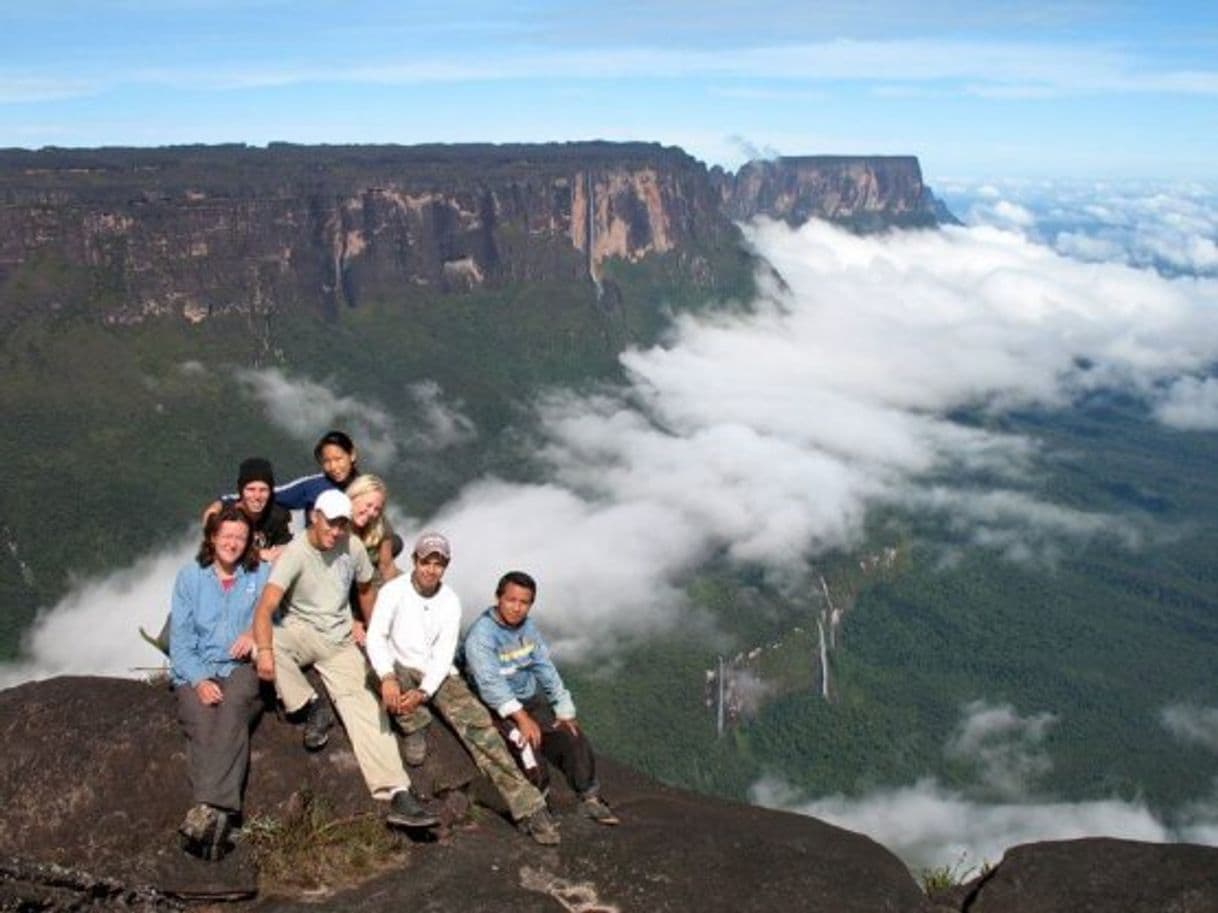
764 435
930 825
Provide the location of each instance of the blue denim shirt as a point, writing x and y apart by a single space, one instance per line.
205 620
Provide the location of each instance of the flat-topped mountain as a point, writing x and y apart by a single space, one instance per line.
201 230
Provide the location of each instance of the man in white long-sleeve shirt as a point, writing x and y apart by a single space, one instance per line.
412 639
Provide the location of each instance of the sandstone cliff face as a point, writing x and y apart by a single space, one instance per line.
199 231
195 232
866 192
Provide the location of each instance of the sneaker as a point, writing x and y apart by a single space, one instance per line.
318 720
414 747
405 811
541 827
598 810
204 832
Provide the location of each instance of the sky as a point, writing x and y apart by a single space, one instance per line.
1080 89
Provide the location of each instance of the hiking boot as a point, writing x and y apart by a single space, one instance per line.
204 832
405 811
414 747
541 827
318 720
598 810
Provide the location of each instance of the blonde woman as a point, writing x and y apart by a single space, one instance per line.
368 494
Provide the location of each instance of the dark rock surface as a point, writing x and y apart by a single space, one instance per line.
1100 875
93 785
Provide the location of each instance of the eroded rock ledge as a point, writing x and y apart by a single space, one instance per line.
93 784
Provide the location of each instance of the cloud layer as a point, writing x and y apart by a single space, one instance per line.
930 825
765 436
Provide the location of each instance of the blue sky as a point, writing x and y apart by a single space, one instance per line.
1064 89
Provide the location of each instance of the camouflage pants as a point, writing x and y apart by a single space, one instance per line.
472 723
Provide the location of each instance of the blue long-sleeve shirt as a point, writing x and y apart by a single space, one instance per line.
507 665
299 494
205 620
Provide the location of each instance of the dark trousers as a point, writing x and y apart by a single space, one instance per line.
218 738
572 754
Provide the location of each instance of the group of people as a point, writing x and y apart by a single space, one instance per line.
259 605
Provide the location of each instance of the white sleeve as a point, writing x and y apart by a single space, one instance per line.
380 651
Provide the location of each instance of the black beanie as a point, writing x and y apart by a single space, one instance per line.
255 469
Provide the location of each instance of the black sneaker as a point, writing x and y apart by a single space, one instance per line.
541 827
405 811
318 720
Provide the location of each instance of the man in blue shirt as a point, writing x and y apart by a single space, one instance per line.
510 668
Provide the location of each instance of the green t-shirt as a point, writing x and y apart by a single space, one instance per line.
316 583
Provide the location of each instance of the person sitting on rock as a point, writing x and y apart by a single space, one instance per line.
310 583
411 642
217 690
509 666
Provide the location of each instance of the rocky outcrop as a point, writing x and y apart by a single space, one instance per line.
1099 875
93 784
865 192
197 231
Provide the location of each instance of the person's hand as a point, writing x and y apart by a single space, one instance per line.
412 700
391 696
528 728
359 633
209 692
570 726
243 646
266 665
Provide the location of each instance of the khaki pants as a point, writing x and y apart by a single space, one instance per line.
343 670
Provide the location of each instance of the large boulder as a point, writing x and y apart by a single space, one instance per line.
1101 875
93 786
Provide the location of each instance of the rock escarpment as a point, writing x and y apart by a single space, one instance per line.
197 231
864 192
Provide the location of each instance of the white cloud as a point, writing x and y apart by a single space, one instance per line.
1190 404
1007 747
764 437
438 425
1171 227
306 409
94 630
928 824
1188 723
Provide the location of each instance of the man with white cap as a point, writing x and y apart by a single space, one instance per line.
310 582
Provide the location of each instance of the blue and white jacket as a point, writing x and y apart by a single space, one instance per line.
205 620
508 665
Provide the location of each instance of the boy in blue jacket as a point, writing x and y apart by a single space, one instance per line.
509 667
